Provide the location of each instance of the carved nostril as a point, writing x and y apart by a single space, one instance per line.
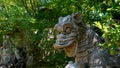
58 28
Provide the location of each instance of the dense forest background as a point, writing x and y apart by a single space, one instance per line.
30 24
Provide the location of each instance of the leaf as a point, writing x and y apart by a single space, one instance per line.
98 24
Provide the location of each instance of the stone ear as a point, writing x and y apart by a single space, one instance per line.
77 18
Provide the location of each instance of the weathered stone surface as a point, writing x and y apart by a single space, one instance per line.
10 56
7 54
81 42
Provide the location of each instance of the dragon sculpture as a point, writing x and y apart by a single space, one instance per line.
81 42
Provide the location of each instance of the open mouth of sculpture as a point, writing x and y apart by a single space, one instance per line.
64 40
68 43
60 43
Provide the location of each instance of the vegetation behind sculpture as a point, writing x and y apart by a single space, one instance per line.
32 21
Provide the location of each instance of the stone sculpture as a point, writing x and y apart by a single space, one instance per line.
81 42
7 56
10 56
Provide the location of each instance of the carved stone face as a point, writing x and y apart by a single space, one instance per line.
67 36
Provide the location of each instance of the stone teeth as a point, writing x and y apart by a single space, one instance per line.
64 40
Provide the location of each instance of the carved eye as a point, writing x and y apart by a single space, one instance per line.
68 30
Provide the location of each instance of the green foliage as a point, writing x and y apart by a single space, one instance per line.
33 22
